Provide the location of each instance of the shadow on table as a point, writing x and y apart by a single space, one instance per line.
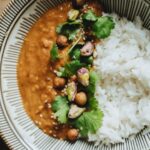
3 146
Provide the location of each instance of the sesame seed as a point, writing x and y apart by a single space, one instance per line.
45 101
50 131
52 116
41 116
54 123
56 128
54 135
36 122
49 105
61 139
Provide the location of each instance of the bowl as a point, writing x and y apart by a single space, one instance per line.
17 129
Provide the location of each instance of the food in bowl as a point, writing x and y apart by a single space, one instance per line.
80 74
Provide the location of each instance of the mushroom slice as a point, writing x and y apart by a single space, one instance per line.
75 111
73 14
87 49
71 90
83 76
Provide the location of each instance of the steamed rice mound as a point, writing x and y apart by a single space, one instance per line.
123 63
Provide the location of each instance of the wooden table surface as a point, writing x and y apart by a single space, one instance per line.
3 4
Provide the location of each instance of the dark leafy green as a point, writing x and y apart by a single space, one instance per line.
89 16
103 26
54 53
89 122
87 60
60 107
75 52
69 29
93 103
70 68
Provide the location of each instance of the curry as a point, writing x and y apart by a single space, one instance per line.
37 73
34 71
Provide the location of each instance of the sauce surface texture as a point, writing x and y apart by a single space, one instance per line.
35 73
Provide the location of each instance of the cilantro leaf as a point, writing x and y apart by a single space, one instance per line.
92 84
87 60
72 34
70 68
75 52
89 16
60 107
59 28
103 26
69 29
89 122
93 103
54 53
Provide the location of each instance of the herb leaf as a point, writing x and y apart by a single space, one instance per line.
89 16
89 122
61 108
75 52
103 26
70 68
54 53
92 84
69 29
87 60
93 103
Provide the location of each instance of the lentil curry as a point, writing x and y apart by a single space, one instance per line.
42 85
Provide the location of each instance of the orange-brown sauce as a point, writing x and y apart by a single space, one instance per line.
35 73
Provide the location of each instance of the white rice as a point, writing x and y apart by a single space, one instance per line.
123 61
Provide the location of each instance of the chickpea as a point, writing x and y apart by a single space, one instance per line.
59 82
72 134
81 98
62 41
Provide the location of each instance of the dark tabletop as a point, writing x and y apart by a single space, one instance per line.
3 146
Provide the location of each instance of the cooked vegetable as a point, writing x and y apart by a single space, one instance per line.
103 26
71 90
81 98
75 111
70 68
69 29
78 3
83 76
92 84
61 108
73 14
87 49
54 53
59 82
72 134
89 122
89 16
62 41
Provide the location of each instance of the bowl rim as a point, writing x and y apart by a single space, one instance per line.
11 141
2 17
3 36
